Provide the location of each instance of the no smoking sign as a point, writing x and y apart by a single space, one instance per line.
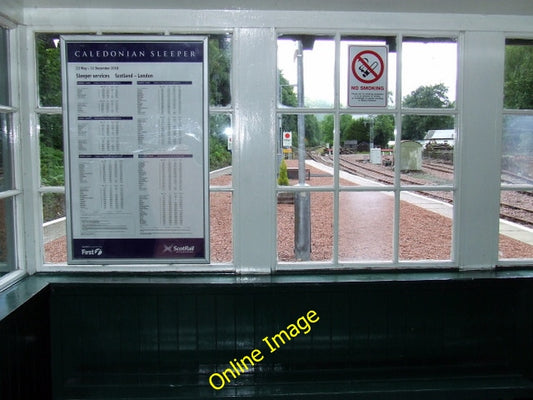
367 76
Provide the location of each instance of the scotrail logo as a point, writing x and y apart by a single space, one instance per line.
177 249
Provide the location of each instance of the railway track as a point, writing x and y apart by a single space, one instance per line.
514 206
448 169
512 178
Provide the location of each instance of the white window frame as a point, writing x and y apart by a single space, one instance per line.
509 262
58 110
15 194
254 99
398 111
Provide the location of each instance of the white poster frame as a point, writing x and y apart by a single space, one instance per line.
136 128
367 76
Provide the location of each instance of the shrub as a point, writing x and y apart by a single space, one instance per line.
283 178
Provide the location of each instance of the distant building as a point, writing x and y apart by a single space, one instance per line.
440 136
350 144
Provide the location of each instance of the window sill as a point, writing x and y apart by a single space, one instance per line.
24 288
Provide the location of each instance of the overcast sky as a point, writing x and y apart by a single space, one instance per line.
423 64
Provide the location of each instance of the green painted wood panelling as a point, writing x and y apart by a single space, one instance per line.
25 370
442 339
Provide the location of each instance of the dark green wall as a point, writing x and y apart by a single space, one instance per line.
424 339
145 338
25 372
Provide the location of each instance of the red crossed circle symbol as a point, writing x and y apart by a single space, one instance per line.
366 69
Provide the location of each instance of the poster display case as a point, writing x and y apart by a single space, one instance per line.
136 145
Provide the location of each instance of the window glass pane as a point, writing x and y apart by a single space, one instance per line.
318 142
54 228
4 68
220 144
316 65
6 168
365 226
516 206
221 226
516 224
517 149
426 151
49 60
314 234
316 173
53 206
425 226
7 236
429 73
220 49
49 69
51 148
220 147
518 89
367 143
346 42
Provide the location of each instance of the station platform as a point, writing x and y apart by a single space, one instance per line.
507 228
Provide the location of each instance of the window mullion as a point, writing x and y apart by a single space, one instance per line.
477 205
254 150
336 151
397 142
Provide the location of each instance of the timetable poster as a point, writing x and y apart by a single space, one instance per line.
135 126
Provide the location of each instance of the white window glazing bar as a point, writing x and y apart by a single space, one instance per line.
336 150
397 142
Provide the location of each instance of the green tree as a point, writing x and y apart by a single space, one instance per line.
287 93
326 129
51 127
219 155
219 95
312 131
289 123
357 130
49 66
51 131
383 130
219 71
415 127
52 172
518 89
327 125
345 122
50 94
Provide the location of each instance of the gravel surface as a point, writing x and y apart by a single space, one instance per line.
365 231
520 203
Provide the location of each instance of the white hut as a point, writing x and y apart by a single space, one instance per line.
410 156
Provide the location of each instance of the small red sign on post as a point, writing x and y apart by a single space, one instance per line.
287 139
